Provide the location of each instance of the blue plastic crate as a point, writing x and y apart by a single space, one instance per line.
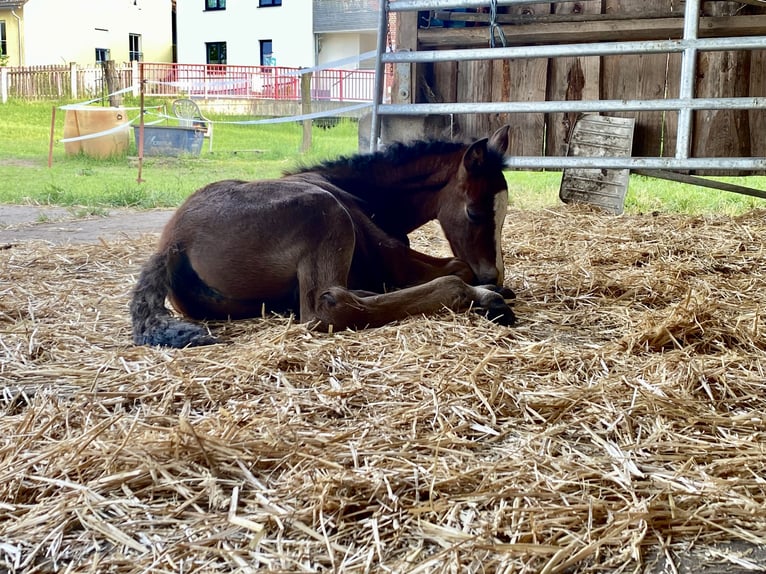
170 140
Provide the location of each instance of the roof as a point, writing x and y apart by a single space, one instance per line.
344 16
12 3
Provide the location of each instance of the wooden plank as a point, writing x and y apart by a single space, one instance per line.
516 80
528 82
486 81
570 79
645 76
540 17
721 133
407 39
599 136
474 85
757 118
594 31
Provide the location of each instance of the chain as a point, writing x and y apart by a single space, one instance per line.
494 28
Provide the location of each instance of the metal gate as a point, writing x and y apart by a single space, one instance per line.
685 104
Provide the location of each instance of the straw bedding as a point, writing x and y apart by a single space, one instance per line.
617 428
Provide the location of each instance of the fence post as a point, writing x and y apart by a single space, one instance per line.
306 109
134 77
4 83
73 79
112 82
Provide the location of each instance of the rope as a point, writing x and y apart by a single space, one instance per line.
494 27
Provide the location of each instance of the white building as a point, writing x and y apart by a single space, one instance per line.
46 32
293 33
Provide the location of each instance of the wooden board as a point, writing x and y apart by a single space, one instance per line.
725 133
599 136
645 76
524 80
721 133
475 85
599 30
570 79
757 118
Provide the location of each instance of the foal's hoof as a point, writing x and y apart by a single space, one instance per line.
504 316
499 313
504 291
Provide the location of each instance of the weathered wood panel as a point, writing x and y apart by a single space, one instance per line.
719 133
474 85
597 30
645 76
757 118
522 81
726 133
571 79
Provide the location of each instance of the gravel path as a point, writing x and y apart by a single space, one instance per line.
61 225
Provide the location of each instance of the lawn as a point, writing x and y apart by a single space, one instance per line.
257 152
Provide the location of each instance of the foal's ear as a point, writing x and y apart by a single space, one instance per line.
500 140
474 156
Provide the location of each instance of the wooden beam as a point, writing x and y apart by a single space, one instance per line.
593 31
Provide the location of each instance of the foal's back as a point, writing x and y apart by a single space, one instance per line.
242 243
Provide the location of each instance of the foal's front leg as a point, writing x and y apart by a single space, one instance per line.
342 308
421 268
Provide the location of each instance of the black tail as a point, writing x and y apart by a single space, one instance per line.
152 321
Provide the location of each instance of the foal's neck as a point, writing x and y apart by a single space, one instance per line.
398 181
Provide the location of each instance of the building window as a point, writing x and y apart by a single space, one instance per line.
3 40
102 55
267 54
216 52
215 4
134 48
264 3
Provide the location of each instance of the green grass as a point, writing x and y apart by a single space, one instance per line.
258 152
246 152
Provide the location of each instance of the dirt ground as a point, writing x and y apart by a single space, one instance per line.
67 225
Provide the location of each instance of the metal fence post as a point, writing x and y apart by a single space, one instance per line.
688 72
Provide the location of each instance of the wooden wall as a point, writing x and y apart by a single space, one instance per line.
725 133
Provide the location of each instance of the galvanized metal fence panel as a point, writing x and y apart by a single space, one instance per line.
686 103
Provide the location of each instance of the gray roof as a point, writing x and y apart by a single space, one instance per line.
12 3
345 15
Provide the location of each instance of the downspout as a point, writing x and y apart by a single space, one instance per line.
18 34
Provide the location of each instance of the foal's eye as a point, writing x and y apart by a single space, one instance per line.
473 216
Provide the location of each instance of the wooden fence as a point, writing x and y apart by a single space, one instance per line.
192 80
716 133
60 82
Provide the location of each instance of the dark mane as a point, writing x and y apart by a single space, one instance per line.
379 166
395 154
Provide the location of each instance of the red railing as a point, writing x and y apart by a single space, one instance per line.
256 82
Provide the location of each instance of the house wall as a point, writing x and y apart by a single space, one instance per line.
242 25
336 46
12 35
58 32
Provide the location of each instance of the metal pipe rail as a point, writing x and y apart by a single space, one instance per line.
412 5
577 50
581 106
685 104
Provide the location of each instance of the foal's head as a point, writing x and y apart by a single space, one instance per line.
472 207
